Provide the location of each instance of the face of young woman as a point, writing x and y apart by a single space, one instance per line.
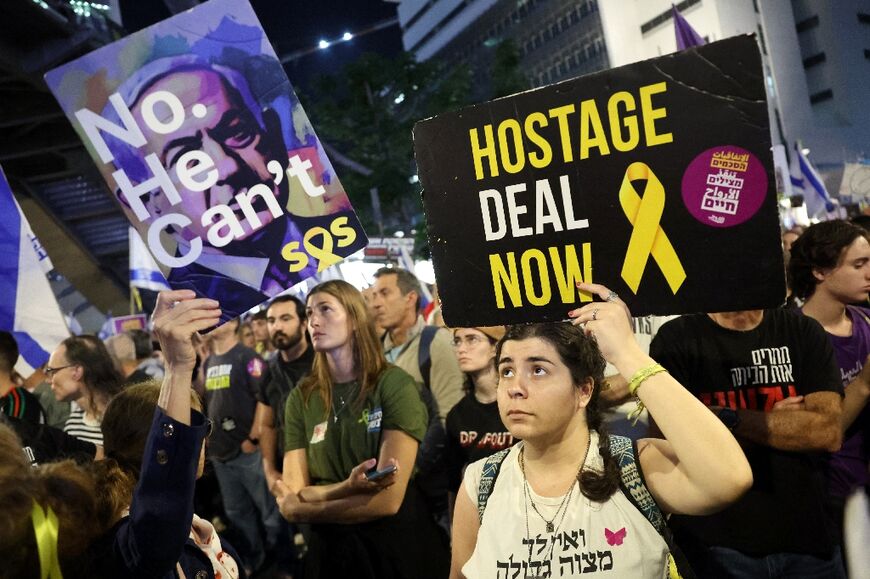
536 395
328 323
473 350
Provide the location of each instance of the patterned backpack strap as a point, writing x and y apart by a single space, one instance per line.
491 468
624 450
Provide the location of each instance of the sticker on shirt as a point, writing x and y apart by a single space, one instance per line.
319 432
372 419
616 538
255 367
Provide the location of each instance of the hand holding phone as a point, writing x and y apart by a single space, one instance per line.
366 478
374 474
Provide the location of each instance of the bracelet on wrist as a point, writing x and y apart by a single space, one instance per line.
254 441
641 376
636 381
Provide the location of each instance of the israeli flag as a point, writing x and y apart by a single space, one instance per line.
28 308
805 180
144 272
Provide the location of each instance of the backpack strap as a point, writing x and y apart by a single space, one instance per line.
624 450
491 468
631 482
424 356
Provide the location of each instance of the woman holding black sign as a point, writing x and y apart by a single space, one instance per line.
352 429
569 499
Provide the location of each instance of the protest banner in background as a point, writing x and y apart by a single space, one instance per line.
121 324
856 181
654 179
28 308
198 133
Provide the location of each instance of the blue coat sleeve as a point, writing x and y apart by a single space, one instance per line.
150 541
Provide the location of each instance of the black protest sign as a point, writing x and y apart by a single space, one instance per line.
654 179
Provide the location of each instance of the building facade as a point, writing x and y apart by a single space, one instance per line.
816 53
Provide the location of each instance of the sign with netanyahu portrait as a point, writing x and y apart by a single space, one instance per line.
654 179
197 131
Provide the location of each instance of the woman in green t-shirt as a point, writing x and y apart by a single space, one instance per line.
352 415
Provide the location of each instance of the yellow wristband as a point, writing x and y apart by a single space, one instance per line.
639 378
641 375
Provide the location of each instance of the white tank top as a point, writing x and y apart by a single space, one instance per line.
609 539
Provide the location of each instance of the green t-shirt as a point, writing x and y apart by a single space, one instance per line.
333 447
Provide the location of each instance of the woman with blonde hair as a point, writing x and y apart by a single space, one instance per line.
352 429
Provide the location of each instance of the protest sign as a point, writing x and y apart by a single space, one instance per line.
856 181
654 179
197 131
121 324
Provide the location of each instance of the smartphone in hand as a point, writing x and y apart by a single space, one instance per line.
375 474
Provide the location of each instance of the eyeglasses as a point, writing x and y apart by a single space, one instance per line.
470 341
50 372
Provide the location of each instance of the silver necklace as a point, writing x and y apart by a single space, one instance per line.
336 412
563 506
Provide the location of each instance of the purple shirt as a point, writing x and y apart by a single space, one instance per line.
847 469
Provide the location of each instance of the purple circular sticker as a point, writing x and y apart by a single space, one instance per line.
724 186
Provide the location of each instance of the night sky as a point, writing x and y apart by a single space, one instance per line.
292 25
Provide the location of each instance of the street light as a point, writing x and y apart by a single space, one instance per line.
324 44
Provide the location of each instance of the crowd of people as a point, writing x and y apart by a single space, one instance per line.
344 435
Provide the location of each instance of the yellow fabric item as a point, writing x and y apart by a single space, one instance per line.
46 528
639 377
647 236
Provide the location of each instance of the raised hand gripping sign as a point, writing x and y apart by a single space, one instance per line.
197 131
654 179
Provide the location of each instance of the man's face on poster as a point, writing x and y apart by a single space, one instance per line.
229 134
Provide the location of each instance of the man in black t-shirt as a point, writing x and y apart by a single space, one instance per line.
234 377
770 376
286 321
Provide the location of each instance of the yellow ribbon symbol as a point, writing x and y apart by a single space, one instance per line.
45 529
324 255
647 237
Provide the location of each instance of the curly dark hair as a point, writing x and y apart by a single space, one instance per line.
820 247
581 355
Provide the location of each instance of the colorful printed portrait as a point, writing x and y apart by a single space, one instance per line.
198 133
